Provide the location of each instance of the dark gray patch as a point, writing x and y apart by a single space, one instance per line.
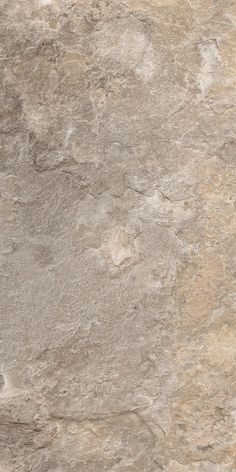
228 152
44 255
2 383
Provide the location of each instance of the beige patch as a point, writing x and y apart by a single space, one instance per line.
154 3
198 289
45 2
221 347
145 70
120 248
174 466
210 59
202 5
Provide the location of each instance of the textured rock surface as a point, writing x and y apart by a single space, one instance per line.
118 248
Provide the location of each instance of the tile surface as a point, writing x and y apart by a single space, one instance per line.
117 242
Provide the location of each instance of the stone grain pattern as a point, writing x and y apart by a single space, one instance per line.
118 247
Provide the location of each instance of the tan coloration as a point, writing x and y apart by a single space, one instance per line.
200 283
153 3
198 290
221 347
206 361
117 242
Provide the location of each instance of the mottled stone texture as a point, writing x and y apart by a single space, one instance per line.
118 247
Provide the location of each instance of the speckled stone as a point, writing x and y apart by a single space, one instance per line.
118 236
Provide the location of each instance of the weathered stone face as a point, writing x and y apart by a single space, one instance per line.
117 242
